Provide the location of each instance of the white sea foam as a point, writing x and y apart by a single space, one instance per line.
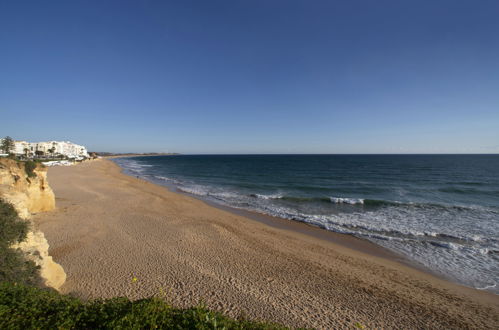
203 191
488 287
167 179
447 245
199 191
271 196
164 178
134 166
484 251
351 201
224 195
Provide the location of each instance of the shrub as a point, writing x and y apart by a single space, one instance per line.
29 168
15 268
27 307
13 264
12 229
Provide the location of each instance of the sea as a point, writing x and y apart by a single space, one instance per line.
440 211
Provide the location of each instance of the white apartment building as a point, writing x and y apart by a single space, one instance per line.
65 148
20 146
68 149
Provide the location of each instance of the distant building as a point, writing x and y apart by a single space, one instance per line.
20 146
55 148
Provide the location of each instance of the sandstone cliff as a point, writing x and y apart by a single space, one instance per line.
31 194
28 195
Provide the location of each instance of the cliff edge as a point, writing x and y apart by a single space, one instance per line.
27 189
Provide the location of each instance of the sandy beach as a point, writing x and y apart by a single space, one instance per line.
109 228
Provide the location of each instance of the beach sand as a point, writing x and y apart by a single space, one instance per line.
109 228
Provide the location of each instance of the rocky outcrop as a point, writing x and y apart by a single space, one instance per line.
36 249
31 194
27 194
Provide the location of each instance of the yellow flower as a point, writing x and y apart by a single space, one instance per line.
359 325
134 279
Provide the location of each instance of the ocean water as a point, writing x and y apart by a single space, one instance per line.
441 211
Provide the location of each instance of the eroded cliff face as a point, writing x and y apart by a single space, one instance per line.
28 195
31 195
36 248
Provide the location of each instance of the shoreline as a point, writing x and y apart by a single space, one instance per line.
346 240
110 226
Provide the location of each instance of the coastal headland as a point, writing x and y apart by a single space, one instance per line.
117 235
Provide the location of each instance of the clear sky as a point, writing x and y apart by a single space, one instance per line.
253 76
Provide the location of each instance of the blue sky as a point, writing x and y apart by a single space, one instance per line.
253 76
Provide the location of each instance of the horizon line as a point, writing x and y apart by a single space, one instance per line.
285 154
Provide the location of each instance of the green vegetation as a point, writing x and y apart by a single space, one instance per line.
7 145
13 265
25 306
29 167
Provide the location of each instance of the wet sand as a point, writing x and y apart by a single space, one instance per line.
109 228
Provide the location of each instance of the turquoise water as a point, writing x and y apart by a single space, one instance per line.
441 211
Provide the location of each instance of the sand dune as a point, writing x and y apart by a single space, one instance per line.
110 228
